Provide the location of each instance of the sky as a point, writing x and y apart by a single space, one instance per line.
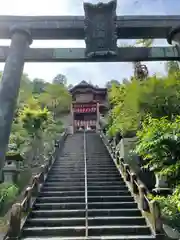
97 73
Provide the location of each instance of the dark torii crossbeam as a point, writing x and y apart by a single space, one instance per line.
126 54
100 28
72 27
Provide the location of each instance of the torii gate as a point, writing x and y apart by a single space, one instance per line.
100 28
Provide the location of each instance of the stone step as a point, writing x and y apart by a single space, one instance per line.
80 231
120 221
118 230
63 188
107 183
102 166
90 179
55 222
59 206
110 198
108 180
89 170
53 231
102 170
74 174
57 199
81 166
62 193
133 212
67 173
69 168
128 237
103 212
90 184
91 199
117 174
64 180
70 183
104 187
109 193
81 182
92 221
82 193
73 213
62 170
111 205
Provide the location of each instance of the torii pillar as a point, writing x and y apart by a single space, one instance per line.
174 38
10 84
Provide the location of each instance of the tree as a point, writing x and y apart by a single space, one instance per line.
57 99
38 86
112 82
141 70
26 89
70 86
145 42
33 119
133 101
31 92
172 67
60 79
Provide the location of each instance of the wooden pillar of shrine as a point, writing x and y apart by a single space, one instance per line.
98 116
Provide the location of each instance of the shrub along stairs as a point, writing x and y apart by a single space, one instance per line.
84 197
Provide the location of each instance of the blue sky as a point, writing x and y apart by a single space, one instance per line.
97 73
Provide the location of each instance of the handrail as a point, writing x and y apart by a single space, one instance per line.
21 210
86 195
150 208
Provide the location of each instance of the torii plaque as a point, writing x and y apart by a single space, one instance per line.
100 29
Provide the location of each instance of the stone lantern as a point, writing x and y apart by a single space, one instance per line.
11 168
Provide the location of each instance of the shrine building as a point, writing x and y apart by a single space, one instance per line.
88 102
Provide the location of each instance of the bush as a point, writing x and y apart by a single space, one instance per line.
159 146
170 208
131 102
8 194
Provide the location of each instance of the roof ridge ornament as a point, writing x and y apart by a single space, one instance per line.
100 29
101 4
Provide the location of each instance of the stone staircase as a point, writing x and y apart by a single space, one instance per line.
112 211
59 211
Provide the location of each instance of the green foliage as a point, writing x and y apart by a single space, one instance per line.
170 207
38 86
151 109
60 79
56 98
8 193
109 84
131 102
34 119
35 125
159 145
145 42
172 68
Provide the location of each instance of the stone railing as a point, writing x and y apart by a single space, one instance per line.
20 211
149 208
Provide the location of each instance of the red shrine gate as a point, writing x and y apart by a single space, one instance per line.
88 102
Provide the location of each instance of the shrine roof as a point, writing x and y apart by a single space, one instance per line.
83 84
